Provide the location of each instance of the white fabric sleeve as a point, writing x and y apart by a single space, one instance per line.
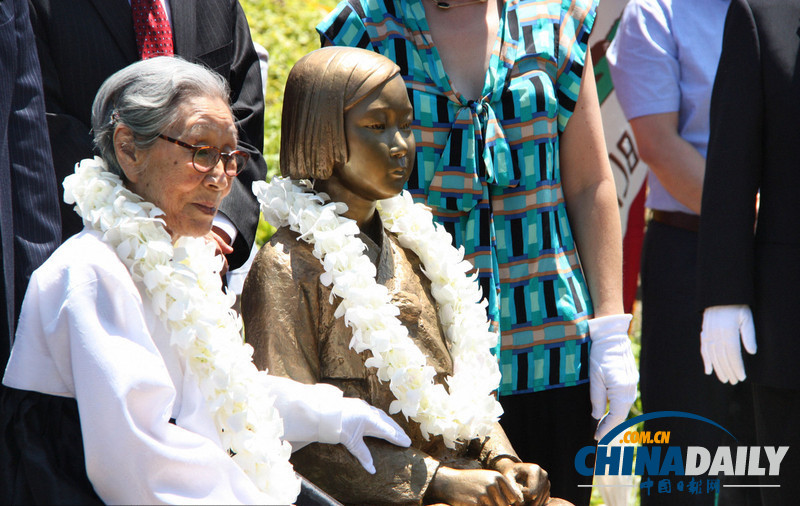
643 60
125 399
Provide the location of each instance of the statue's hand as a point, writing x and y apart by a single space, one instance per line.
458 487
529 478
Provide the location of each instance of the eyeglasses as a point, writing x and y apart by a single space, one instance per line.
205 158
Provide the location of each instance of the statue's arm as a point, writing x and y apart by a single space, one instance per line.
402 475
279 298
282 318
493 448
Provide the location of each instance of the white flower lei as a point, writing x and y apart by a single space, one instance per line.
470 409
184 289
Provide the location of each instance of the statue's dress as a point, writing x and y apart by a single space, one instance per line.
290 321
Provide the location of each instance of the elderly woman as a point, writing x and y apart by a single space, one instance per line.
377 278
129 381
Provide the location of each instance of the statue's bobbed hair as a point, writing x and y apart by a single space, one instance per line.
321 88
146 97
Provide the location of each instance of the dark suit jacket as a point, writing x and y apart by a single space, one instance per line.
755 146
82 42
29 221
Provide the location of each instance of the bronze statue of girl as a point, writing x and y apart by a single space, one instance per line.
347 127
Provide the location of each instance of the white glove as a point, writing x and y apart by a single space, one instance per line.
612 371
719 341
615 489
320 413
359 419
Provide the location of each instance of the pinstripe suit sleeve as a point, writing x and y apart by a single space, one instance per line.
36 221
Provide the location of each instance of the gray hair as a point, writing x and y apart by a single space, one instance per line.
145 97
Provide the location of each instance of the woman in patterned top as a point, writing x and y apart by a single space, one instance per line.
511 158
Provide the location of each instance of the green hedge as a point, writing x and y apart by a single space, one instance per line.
286 29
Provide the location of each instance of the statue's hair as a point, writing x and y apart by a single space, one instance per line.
321 88
146 96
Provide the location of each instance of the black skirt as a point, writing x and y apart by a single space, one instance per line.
41 450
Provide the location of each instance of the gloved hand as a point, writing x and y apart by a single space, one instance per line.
359 419
612 371
320 413
719 341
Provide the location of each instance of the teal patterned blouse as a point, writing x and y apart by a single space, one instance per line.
489 169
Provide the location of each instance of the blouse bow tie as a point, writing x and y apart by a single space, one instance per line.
475 155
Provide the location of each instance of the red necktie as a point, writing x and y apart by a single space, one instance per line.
153 33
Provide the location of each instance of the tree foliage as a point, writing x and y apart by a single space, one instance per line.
286 29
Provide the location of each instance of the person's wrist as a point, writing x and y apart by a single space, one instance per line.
605 327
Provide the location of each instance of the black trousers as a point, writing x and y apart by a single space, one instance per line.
671 368
777 415
548 428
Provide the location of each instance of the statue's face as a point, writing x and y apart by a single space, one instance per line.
380 144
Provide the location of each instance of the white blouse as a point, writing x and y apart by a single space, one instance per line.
85 333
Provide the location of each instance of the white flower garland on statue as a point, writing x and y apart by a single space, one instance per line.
184 288
469 409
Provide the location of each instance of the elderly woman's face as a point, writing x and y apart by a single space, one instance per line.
168 179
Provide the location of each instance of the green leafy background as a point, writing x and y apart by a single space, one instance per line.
286 29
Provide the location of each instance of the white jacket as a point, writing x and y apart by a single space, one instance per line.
85 333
